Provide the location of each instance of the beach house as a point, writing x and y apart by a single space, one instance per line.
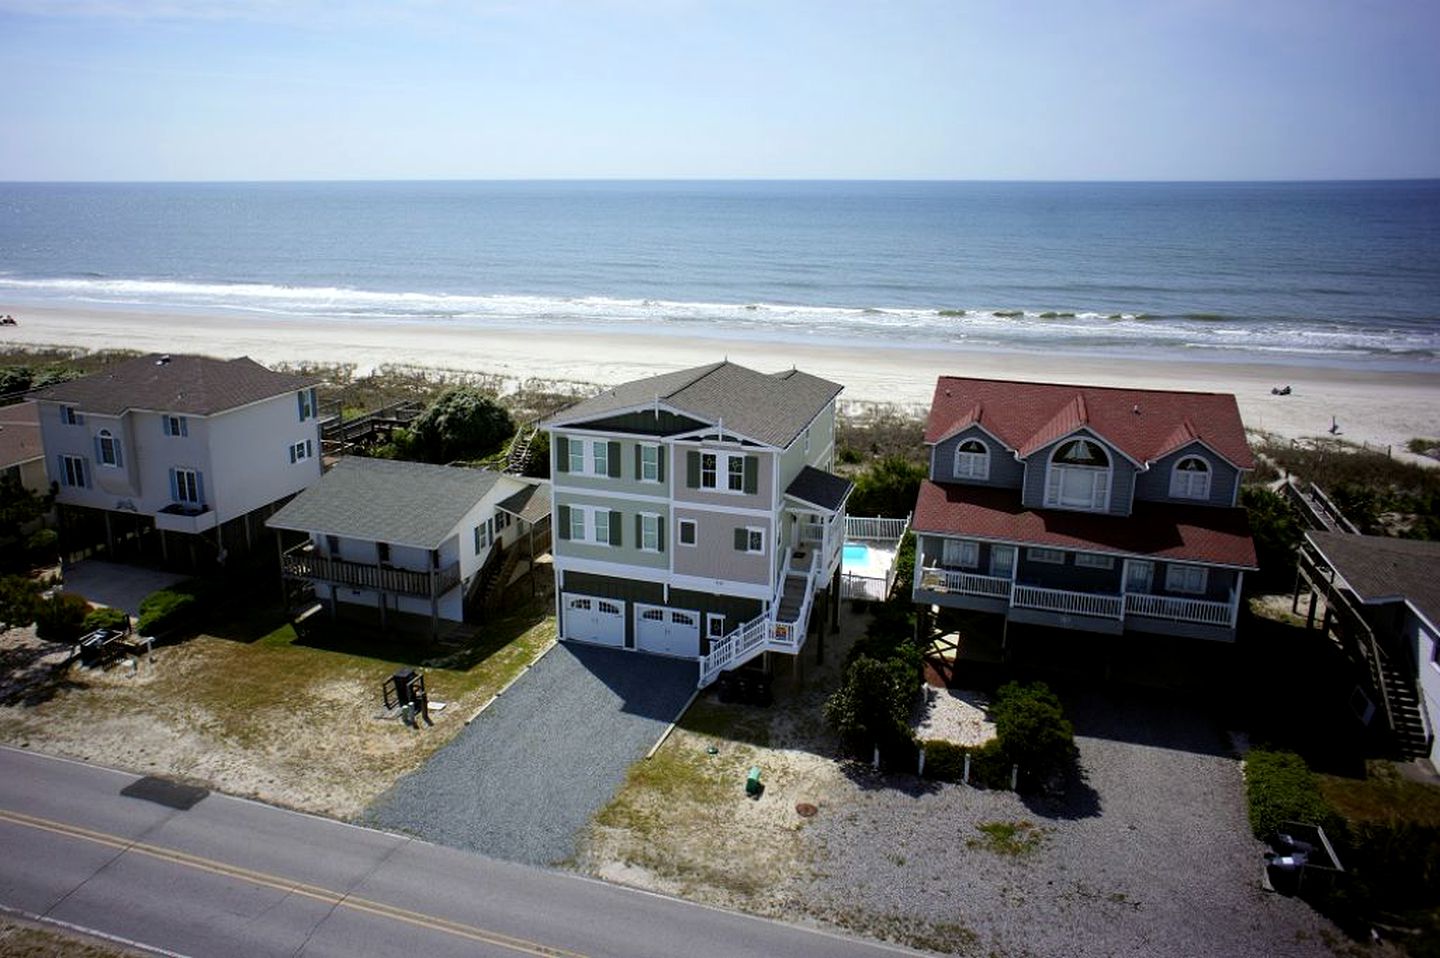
409 542
1081 507
696 514
177 458
1380 604
22 457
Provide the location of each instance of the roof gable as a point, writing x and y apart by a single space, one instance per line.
1142 424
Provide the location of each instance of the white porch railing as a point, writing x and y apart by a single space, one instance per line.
966 583
1180 610
1071 603
861 528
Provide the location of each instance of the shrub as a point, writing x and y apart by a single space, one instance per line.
888 488
462 423
944 761
989 765
43 545
105 617
1279 787
872 706
905 571
19 599
61 618
1032 731
168 609
1277 533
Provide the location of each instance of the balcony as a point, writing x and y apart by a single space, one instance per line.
305 563
185 518
965 583
1202 611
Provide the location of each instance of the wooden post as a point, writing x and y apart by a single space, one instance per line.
434 607
835 602
280 553
1310 614
109 537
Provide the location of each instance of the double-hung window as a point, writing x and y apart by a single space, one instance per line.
649 463
575 452
304 449
724 471
306 401
708 466
69 416
600 457
649 533
176 426
750 540
72 472
187 486
1186 578
961 553
577 523
601 525
107 449
735 474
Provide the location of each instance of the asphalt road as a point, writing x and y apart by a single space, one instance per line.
225 876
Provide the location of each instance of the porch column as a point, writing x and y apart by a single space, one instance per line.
1235 601
279 551
434 608
835 602
109 537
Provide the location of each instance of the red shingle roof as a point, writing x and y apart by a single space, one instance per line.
1154 529
1145 424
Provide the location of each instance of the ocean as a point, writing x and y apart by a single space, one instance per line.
1345 273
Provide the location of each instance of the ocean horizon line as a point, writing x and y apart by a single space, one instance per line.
640 180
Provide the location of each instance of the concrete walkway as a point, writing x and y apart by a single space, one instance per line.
530 772
118 586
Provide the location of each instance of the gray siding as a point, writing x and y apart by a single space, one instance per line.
763 497
628 551
1122 477
714 555
628 481
1069 576
1153 485
1005 470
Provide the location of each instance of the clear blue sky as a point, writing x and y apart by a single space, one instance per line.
1050 89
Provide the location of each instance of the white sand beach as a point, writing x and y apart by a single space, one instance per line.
1378 407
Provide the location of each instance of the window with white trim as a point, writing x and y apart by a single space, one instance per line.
708 466
600 457
723 471
577 523
1186 578
72 472
107 448
309 406
69 416
305 449
715 626
482 538
972 460
960 554
1051 556
649 463
750 539
600 523
1190 479
176 426
187 486
1089 560
687 535
1078 477
576 452
649 533
735 473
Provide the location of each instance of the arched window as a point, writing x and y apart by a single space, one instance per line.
972 460
1190 479
107 450
1079 477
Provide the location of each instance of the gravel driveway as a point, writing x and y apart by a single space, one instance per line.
531 771
1153 859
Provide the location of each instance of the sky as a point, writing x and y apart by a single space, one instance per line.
658 89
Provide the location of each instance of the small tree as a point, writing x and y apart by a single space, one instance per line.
1277 534
1031 729
20 506
19 601
872 706
61 618
463 423
887 488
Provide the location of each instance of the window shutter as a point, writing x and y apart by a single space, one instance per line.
660 457
61 476
1052 486
184 426
1101 499
742 539
98 457
639 465
300 404
659 534
174 487
639 530
292 453
752 475
119 454
692 469
612 460
564 522
562 454
165 424
309 447
200 486
615 520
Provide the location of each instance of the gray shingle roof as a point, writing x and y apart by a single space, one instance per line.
820 488
19 434
769 408
197 385
379 500
1379 567
531 503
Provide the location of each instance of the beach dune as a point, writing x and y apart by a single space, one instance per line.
1370 405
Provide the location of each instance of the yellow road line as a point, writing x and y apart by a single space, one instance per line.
315 892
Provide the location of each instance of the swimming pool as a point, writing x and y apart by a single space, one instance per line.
856 554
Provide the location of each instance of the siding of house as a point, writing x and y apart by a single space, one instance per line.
1069 576
1153 485
628 481
628 552
763 497
714 555
1423 643
1005 470
1122 476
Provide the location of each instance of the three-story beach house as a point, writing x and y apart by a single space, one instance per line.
695 513
1106 510
179 458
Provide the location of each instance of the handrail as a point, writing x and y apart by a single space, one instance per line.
307 564
1059 600
1179 609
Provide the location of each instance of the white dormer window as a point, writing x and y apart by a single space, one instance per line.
972 460
1078 477
1190 479
69 416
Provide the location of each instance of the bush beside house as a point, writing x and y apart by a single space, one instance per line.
167 610
61 618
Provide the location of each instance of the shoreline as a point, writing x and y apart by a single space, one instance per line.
1379 407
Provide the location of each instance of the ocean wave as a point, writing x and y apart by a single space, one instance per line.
978 325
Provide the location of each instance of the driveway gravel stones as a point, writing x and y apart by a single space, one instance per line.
529 773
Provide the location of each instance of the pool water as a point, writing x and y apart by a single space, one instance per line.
856 554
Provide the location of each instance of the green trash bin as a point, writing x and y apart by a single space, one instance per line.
752 782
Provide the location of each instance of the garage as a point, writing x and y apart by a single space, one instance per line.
592 619
666 631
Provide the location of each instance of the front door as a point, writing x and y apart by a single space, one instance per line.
1138 575
1002 562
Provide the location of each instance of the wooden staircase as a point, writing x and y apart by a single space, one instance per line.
520 451
492 589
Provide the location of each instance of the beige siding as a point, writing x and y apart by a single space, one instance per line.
763 498
714 555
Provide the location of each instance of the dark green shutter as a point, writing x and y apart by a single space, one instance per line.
564 522
612 461
742 539
562 456
639 466
660 533
639 531
660 453
692 469
615 520
752 475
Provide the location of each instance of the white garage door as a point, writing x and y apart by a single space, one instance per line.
667 631
592 619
